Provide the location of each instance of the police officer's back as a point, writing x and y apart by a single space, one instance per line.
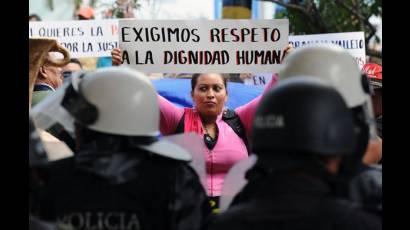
122 177
339 69
302 131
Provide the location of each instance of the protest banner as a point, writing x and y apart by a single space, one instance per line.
353 42
203 46
84 38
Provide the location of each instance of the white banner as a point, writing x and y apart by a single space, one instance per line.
85 38
353 42
200 46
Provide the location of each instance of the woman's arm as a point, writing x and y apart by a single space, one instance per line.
247 111
170 115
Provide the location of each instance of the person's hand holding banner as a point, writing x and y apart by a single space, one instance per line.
116 57
289 48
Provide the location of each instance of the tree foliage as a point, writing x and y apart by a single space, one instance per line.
331 16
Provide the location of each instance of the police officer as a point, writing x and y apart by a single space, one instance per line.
302 133
37 159
338 68
122 177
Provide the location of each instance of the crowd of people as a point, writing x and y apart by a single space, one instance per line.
315 132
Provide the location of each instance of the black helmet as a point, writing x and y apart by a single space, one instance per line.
303 115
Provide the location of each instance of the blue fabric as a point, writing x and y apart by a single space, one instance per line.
178 91
104 62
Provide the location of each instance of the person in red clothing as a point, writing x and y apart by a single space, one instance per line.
374 74
85 13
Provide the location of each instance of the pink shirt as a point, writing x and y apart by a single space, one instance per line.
229 148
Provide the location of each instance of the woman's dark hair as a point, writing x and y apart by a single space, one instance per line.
195 77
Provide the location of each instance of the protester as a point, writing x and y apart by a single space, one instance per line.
85 13
374 74
73 66
49 78
293 184
225 144
122 177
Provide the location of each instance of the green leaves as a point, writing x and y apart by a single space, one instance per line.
330 16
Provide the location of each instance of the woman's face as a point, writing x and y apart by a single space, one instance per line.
210 94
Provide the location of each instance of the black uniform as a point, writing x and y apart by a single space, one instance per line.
122 190
300 127
366 188
294 202
35 224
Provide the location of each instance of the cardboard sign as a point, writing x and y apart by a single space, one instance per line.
353 42
85 38
203 46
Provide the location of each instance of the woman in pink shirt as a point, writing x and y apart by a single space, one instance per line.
224 147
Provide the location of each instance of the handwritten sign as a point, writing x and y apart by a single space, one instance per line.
85 38
353 42
200 46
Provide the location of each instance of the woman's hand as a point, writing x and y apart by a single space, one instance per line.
116 57
288 49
